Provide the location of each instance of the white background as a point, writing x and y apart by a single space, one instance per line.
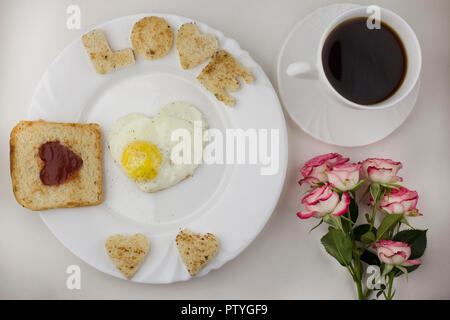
284 262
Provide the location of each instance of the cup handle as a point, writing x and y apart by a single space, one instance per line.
302 70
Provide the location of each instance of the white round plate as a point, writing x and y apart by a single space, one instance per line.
313 109
231 201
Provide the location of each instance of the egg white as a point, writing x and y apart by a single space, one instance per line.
157 130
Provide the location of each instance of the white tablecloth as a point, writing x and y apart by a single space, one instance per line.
284 262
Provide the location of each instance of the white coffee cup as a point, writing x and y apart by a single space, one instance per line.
315 71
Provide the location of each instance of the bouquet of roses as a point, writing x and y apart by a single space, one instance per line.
392 247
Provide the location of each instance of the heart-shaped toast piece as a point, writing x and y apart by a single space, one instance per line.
127 253
194 47
196 250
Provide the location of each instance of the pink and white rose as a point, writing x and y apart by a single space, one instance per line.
400 200
381 170
344 176
322 201
314 171
395 253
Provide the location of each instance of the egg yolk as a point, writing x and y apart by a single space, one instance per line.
140 160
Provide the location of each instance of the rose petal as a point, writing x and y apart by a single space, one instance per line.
380 175
394 208
305 215
327 205
380 164
342 206
308 180
318 194
410 263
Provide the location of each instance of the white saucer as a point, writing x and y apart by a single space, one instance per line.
316 112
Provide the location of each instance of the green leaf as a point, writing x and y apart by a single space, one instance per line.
416 238
393 293
362 229
318 184
389 222
346 226
333 221
404 270
368 237
321 220
354 211
405 221
359 185
387 268
375 190
339 245
370 258
367 217
409 269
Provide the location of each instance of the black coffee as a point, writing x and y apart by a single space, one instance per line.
364 65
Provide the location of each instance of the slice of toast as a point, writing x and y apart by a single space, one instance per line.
103 58
196 250
152 37
194 47
127 253
221 74
83 189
